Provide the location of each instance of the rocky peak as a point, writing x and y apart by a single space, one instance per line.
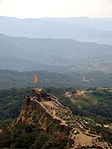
41 95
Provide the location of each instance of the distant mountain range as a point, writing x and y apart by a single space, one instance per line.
57 55
82 29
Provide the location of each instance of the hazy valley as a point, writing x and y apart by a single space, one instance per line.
54 55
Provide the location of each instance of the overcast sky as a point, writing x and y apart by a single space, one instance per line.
56 8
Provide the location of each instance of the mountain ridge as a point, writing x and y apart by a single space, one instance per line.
40 101
83 29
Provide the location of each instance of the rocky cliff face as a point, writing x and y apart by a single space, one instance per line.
45 111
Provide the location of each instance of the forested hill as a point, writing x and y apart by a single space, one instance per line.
15 79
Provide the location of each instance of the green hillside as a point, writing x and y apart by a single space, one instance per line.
15 79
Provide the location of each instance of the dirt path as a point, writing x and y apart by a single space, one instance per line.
51 107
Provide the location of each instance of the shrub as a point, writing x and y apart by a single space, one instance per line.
67 112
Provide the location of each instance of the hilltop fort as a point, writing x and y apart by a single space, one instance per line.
44 109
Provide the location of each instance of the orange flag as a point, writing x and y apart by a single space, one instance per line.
35 81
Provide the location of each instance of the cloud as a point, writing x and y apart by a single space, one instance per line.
110 1
1 1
